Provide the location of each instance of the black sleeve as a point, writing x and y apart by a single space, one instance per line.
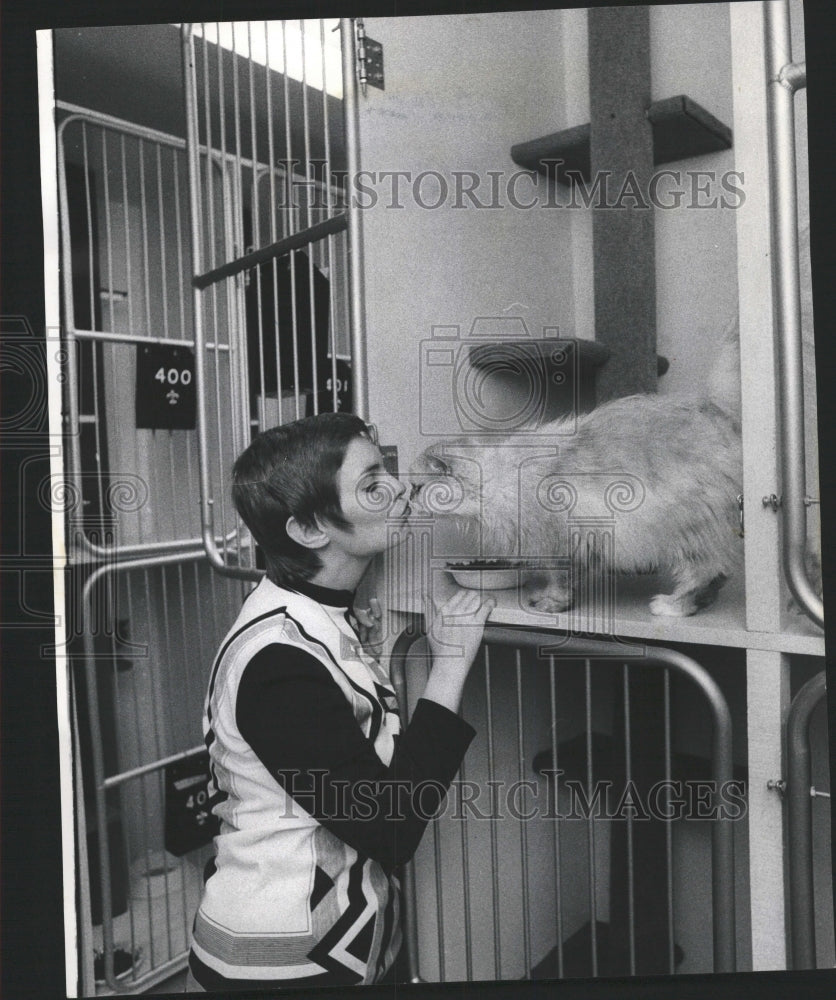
300 725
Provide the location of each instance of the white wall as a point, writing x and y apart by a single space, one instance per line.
460 91
696 270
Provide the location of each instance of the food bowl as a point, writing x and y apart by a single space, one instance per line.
485 574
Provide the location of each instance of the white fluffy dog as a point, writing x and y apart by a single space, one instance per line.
642 483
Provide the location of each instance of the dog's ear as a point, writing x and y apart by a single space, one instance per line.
437 466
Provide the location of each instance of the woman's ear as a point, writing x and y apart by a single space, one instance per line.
310 536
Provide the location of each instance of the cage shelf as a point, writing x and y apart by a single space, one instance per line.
681 128
721 624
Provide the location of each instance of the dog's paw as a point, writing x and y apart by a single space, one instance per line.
668 606
548 602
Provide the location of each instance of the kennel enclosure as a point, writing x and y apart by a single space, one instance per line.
250 194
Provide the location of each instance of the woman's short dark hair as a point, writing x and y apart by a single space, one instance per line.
291 470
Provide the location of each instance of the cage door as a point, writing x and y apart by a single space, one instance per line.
273 101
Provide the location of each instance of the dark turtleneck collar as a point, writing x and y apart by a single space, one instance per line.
322 595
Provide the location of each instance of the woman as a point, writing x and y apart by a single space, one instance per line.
319 793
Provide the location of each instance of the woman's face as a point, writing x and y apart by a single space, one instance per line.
371 500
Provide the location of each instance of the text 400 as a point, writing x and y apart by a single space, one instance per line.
173 376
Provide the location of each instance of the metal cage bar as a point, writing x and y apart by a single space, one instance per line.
784 80
351 109
102 783
722 844
800 821
241 109
74 336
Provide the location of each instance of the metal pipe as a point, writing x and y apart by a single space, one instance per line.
784 79
296 241
439 903
497 937
669 828
306 136
71 386
178 230
628 760
146 284
291 220
357 324
108 228
114 337
590 822
468 933
156 974
73 335
521 762
163 242
800 822
78 112
329 243
138 737
722 834
152 562
206 508
234 300
94 355
118 553
271 171
97 754
558 896
126 217
101 783
398 674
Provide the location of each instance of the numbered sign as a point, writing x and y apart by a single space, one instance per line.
165 389
343 383
189 821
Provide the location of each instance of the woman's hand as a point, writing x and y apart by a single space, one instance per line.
454 637
369 627
457 627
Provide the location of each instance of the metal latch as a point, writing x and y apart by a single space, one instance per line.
369 60
773 501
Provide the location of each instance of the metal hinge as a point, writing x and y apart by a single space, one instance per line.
777 785
369 59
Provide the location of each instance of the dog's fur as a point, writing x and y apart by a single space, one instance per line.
680 465
681 459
